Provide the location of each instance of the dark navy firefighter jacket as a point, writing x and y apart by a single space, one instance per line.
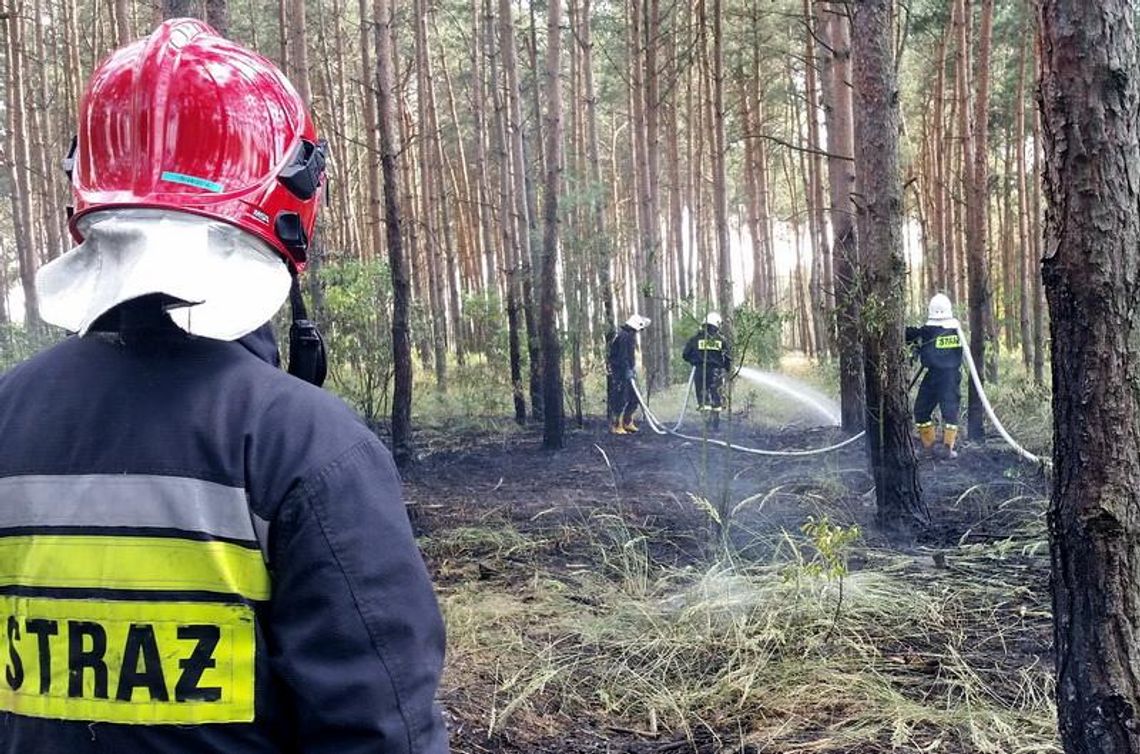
623 353
200 553
938 347
708 348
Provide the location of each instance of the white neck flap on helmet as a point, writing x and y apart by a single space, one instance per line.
231 281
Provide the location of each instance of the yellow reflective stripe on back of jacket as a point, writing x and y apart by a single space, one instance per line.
947 341
119 562
140 662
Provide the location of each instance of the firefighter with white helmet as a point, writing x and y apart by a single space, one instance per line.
939 347
710 355
622 366
198 551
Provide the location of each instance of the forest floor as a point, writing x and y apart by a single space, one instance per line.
591 609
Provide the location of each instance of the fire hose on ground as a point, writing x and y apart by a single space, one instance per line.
656 425
990 409
659 428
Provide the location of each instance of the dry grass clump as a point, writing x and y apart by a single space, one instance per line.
926 653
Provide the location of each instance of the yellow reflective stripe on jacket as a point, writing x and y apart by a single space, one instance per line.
119 562
708 344
947 341
127 662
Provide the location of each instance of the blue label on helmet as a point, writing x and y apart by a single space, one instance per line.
189 180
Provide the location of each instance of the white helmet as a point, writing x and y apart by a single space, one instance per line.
637 323
713 319
940 310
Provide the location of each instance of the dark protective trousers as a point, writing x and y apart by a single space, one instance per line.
939 388
623 400
709 383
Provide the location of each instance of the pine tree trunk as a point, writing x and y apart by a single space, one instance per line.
752 203
676 249
1024 250
645 150
601 243
466 231
180 8
122 22
820 273
507 225
482 166
700 128
659 336
1035 269
841 174
879 217
938 160
951 200
426 143
763 182
981 304
719 150
523 217
218 15
44 143
402 449
551 348
452 216
19 164
375 214
1006 222
1090 94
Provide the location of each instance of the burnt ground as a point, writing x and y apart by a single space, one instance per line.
501 478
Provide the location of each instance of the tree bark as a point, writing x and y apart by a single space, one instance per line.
482 179
402 449
821 267
428 156
218 16
373 168
981 316
1024 250
601 242
841 175
719 149
1035 269
879 217
122 22
19 164
645 112
551 348
508 227
177 8
1008 265
1090 94
523 220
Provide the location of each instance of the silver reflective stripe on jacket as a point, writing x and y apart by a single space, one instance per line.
128 500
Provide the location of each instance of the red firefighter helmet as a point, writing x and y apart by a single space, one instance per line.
186 120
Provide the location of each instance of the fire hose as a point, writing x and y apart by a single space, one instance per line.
659 428
990 409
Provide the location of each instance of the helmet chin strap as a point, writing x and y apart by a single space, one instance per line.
308 359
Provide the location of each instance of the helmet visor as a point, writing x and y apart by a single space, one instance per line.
231 282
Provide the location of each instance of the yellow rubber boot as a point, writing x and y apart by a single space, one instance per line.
926 434
630 428
949 437
617 428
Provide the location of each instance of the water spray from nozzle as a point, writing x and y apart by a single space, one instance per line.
823 406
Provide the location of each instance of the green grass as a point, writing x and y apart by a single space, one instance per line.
920 658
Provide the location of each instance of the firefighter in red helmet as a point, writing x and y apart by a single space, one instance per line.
198 551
